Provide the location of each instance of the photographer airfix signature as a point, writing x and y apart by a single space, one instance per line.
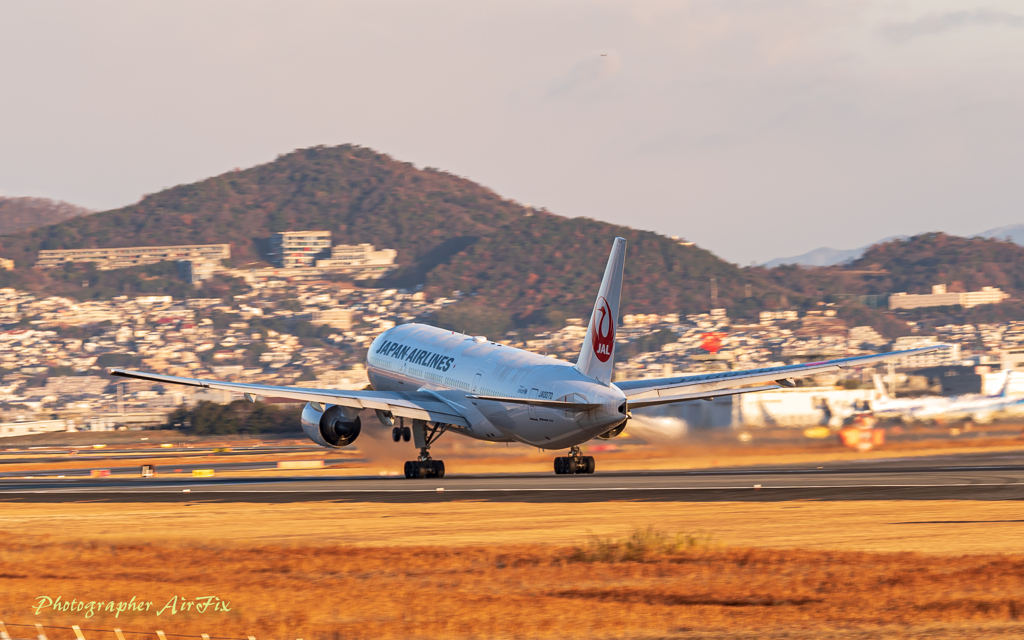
89 608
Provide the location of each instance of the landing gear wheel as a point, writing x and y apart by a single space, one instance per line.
424 466
424 469
574 463
396 434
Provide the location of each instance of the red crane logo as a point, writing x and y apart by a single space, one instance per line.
603 331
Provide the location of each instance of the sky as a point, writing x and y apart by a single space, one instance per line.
756 129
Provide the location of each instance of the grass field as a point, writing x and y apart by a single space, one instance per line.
482 570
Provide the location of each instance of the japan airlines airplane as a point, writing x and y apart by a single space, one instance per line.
467 385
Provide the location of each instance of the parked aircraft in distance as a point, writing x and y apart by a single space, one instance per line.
974 407
471 386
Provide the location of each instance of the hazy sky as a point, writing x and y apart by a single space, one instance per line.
755 128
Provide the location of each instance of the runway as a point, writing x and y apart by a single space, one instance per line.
985 476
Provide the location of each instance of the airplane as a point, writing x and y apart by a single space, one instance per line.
445 381
973 407
885 406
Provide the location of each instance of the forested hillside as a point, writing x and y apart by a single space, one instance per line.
451 234
20 214
515 266
914 265
358 194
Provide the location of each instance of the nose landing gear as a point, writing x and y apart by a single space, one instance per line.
575 462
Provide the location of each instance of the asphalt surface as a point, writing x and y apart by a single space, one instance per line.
985 476
170 465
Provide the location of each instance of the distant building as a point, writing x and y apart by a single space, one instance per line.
153 300
769 317
40 426
1013 359
939 297
866 335
951 355
334 318
290 249
122 257
358 255
195 271
295 253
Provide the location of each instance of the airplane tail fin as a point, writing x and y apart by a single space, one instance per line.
880 386
597 358
1004 389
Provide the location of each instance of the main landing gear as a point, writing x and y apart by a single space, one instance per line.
424 435
575 462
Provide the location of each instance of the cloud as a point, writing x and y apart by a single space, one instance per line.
594 71
943 22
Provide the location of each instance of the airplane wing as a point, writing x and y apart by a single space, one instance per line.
645 392
416 405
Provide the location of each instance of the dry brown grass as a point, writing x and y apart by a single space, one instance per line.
519 591
513 570
948 527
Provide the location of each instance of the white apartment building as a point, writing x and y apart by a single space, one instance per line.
334 318
931 359
939 297
195 271
769 317
121 257
290 249
358 255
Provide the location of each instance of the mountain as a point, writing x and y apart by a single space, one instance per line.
514 265
20 214
858 288
827 256
963 264
1015 232
913 265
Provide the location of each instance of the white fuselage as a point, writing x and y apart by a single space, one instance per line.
452 366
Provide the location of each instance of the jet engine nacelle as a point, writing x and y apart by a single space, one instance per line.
334 426
614 431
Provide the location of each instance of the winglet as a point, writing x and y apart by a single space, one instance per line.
597 358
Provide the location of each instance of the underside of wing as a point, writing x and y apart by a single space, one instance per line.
537 402
667 387
415 405
701 395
